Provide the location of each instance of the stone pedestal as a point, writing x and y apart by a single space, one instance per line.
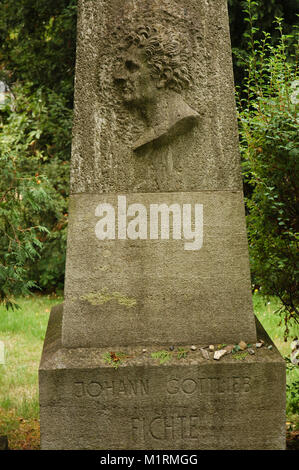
187 403
157 251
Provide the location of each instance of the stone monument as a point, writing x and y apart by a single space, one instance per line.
157 257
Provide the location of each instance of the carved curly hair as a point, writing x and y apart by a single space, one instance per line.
166 52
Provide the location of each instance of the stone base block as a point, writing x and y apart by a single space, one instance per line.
184 403
121 292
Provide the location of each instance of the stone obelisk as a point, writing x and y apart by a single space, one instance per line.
157 253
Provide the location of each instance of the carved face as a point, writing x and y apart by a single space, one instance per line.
134 78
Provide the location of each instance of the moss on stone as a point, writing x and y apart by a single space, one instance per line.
100 298
240 355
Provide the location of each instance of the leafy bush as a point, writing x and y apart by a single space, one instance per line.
269 142
265 11
33 191
37 44
37 58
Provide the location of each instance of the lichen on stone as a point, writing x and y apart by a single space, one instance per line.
100 298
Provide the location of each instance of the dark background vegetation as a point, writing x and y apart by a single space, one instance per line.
37 59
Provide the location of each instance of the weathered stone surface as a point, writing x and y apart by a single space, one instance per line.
121 292
108 123
192 404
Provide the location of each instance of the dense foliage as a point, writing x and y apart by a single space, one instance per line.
265 12
37 44
270 147
37 56
35 127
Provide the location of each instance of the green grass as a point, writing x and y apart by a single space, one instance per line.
23 331
265 311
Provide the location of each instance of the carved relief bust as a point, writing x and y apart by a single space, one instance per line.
153 71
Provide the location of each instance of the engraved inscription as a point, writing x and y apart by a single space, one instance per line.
209 385
166 427
116 388
188 386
